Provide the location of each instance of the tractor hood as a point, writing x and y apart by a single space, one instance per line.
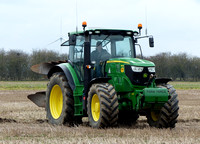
132 61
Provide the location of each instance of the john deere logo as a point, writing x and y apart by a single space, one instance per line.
145 75
122 68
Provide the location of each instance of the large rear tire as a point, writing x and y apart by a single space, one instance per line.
102 106
59 100
167 116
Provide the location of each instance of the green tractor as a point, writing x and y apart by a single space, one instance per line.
104 81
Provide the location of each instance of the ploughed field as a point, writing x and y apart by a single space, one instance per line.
21 121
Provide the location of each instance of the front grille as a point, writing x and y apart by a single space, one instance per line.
137 78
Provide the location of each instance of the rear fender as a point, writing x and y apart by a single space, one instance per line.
63 68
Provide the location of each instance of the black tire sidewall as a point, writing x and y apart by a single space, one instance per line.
159 123
93 123
108 105
55 80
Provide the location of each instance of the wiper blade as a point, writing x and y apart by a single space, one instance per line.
104 40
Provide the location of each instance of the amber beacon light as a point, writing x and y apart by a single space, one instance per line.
84 24
139 26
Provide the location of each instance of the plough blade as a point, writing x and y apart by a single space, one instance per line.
39 98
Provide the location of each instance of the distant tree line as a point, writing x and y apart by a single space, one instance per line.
177 66
15 65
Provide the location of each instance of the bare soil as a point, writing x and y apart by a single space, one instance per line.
21 121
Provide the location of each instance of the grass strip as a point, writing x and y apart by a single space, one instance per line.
41 85
23 85
185 85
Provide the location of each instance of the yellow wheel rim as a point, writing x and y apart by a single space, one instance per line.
56 101
154 116
95 107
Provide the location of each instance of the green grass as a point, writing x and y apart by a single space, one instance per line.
41 85
186 85
23 85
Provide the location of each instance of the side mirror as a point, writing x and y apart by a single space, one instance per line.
72 40
151 42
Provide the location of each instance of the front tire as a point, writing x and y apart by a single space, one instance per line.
102 106
167 116
59 100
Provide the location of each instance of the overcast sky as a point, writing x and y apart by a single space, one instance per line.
33 24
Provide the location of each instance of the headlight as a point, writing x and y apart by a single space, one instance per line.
152 69
137 69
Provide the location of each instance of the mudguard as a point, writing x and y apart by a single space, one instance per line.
162 80
98 80
63 68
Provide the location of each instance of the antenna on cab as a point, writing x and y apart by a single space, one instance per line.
76 16
146 19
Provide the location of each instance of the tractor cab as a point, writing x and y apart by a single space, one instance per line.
104 44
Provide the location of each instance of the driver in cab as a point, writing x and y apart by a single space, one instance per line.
99 55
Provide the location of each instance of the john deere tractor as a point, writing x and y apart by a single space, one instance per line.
110 88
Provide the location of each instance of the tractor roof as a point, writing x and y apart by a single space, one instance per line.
103 32
106 31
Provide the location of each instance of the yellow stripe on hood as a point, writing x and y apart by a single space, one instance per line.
117 61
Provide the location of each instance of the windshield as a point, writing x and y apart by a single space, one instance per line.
111 46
